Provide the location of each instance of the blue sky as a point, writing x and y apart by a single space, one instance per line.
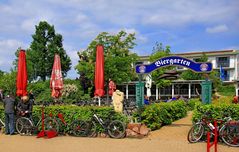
185 25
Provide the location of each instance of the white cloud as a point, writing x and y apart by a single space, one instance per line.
7 52
139 36
80 21
217 29
10 45
74 58
184 12
28 25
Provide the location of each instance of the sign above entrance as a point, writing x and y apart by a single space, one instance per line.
174 61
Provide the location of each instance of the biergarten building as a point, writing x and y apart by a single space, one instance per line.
228 60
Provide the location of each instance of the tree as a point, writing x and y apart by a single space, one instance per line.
1 73
191 75
213 76
157 53
30 71
46 43
117 55
8 82
159 48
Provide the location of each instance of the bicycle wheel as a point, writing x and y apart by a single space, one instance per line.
116 129
195 133
24 126
230 135
92 129
79 128
51 124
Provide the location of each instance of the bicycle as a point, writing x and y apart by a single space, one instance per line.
230 133
204 124
27 126
76 128
113 128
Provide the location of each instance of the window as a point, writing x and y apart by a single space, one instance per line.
166 90
138 62
196 60
226 75
131 89
179 67
223 61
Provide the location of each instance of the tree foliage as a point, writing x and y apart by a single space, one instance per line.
1 73
117 55
30 71
46 43
213 76
8 82
158 52
191 75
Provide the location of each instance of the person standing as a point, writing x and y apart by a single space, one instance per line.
146 100
25 106
112 87
9 109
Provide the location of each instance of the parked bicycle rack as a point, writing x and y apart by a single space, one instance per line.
43 132
209 145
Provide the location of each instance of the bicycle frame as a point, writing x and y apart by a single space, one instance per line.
100 121
2 124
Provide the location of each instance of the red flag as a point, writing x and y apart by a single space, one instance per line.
99 71
56 82
22 74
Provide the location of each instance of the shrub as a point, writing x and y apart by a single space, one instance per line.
216 111
71 93
159 114
223 100
227 90
192 103
41 90
71 113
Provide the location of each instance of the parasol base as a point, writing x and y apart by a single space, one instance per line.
49 134
41 134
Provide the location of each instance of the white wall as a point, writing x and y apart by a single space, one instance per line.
213 61
237 65
232 61
232 75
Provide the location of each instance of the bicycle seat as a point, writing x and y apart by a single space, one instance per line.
233 123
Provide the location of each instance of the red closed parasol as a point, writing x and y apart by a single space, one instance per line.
99 71
22 74
56 82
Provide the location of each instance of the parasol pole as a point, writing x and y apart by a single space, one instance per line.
99 100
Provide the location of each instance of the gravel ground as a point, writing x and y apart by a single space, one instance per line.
172 138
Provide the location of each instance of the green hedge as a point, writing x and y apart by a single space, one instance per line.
71 113
159 114
192 103
216 111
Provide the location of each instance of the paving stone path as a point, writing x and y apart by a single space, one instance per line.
172 138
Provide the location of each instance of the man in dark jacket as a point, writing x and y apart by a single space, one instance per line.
9 109
24 107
